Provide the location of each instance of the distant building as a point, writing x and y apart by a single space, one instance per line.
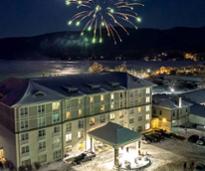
45 118
169 112
197 110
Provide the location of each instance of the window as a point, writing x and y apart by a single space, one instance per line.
112 96
91 100
139 109
68 115
147 116
121 115
41 121
112 105
147 126
68 137
139 128
57 155
173 114
102 108
102 98
68 127
56 129
41 133
131 121
112 116
56 106
80 124
160 112
80 134
24 112
42 146
79 112
148 91
24 124
25 150
140 118
24 137
147 99
55 117
147 108
41 108
102 118
92 121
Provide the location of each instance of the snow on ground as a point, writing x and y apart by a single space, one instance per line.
166 155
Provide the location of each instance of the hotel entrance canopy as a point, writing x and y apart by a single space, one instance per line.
115 135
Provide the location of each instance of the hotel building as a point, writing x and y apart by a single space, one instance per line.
42 119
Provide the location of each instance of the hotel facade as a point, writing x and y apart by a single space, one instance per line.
42 119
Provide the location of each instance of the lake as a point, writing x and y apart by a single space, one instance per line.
46 68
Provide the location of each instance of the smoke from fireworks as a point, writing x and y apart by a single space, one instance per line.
99 16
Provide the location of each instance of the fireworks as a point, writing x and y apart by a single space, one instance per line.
104 16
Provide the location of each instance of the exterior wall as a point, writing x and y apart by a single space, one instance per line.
194 119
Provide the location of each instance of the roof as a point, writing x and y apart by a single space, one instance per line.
21 91
169 101
114 134
198 110
197 96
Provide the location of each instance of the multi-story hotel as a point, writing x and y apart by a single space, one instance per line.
44 118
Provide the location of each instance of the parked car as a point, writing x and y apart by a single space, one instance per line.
200 142
199 167
83 157
193 138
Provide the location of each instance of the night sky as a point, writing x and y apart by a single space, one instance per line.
32 17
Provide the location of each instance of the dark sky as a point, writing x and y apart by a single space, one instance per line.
31 17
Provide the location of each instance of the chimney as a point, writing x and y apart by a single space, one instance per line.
180 102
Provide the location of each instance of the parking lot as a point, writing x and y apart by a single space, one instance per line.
167 154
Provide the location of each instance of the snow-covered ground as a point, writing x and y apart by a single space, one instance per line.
166 155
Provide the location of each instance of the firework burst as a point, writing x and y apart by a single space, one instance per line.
104 16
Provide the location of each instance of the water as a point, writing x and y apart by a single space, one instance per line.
46 68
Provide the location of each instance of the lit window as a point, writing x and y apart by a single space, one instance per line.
147 90
112 96
147 108
79 112
102 118
92 121
102 97
147 126
91 99
147 99
68 115
147 116
112 116
56 106
121 115
68 137
139 109
102 108
79 134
